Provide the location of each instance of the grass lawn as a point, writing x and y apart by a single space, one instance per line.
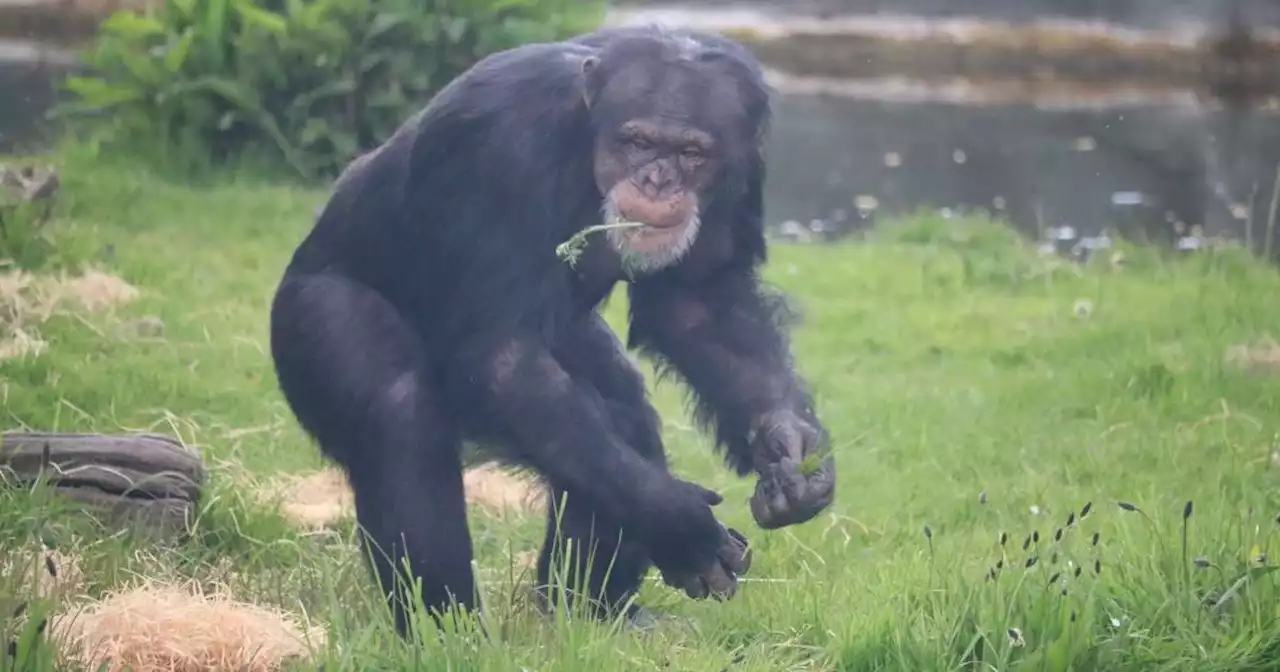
973 390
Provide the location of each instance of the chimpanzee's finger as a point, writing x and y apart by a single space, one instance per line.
697 587
793 440
710 496
721 583
736 554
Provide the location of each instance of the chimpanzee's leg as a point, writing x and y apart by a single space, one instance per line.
582 545
351 369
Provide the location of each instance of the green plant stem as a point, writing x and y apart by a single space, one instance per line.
569 250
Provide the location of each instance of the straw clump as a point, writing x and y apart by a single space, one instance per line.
316 500
1261 357
320 499
156 627
499 491
28 300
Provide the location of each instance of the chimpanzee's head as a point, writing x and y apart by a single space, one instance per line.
677 123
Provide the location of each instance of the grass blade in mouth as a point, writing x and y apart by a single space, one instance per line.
571 249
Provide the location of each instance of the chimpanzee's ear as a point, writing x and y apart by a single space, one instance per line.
588 81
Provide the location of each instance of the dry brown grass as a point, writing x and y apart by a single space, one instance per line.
156 627
53 573
499 491
1261 357
28 300
315 500
320 499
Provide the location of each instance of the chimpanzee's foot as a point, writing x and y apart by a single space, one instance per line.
641 618
787 495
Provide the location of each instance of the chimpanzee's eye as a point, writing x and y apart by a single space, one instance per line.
691 153
639 144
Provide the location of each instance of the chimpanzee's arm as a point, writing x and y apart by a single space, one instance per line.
724 335
551 420
515 385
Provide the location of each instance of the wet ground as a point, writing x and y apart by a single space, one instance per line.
1156 162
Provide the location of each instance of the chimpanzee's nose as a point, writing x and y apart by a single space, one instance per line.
657 181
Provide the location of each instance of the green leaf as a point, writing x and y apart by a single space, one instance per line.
213 31
180 11
312 131
131 25
258 17
393 99
383 23
98 92
370 62
456 27
231 91
341 87
143 68
176 57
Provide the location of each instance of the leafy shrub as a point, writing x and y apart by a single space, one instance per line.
312 83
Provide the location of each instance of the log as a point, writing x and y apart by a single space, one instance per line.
153 518
140 480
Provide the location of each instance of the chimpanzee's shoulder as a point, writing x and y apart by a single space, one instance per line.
528 64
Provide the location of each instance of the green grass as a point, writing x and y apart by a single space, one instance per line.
970 390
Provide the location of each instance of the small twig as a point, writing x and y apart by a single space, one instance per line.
571 249
1271 216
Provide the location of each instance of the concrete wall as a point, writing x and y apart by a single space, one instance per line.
1137 13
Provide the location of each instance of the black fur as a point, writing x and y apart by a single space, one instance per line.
427 307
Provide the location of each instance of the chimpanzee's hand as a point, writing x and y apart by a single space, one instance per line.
707 562
719 579
795 485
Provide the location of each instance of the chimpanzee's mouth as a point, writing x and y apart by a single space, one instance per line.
653 214
647 238
637 224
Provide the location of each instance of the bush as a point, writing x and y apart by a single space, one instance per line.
310 83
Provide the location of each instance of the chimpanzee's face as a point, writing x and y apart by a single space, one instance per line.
665 117
652 172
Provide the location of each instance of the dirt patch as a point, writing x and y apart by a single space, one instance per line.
320 499
28 300
1262 357
154 627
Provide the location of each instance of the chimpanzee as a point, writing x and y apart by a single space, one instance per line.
428 307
